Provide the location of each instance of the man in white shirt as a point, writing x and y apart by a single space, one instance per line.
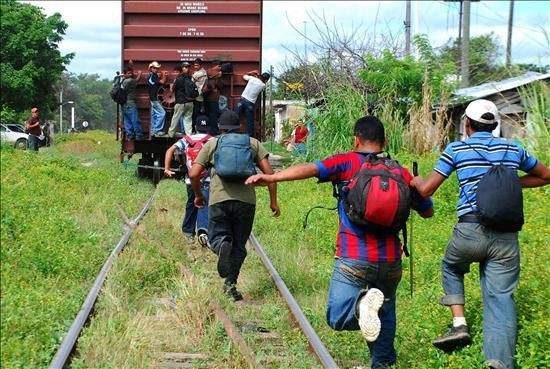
254 87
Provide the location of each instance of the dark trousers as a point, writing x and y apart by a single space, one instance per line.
231 221
246 107
213 112
195 219
198 109
349 279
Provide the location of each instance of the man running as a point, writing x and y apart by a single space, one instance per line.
368 265
497 252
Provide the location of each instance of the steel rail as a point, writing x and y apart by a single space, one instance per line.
69 341
315 342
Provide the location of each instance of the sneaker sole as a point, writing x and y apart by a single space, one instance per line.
203 241
224 262
369 322
453 344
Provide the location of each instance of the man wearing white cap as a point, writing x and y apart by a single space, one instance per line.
490 214
154 82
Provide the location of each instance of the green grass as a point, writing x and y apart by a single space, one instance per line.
59 223
304 258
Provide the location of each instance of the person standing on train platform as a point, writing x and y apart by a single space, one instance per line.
246 104
186 92
199 77
132 125
154 82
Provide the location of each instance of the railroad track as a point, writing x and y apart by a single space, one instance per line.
184 360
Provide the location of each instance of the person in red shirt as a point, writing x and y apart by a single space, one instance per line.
367 270
32 127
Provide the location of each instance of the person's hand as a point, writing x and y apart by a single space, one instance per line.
169 173
199 201
164 73
416 181
275 209
259 180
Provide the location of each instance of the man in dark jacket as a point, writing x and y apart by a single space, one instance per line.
184 89
154 82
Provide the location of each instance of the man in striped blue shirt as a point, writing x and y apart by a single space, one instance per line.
496 252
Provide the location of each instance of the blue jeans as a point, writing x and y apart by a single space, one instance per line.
33 142
132 125
157 117
498 257
248 108
349 280
195 219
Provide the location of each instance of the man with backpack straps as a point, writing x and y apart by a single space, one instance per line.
490 214
367 270
231 158
195 220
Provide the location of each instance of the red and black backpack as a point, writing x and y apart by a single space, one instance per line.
378 197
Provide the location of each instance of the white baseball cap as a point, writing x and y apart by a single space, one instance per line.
477 108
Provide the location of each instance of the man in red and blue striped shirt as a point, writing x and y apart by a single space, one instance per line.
368 266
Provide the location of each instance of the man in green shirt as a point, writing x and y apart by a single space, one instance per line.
231 205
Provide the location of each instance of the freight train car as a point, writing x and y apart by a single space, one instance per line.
170 32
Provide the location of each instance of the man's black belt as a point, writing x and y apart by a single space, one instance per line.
468 218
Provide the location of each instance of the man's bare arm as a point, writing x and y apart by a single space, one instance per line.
295 172
265 167
168 161
539 176
427 187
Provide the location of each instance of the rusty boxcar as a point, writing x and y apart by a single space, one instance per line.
171 32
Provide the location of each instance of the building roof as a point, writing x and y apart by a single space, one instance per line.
494 87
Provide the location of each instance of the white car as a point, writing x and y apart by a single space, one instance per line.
14 134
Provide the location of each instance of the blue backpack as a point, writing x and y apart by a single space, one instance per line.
233 158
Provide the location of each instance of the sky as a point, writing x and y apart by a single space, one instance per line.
94 27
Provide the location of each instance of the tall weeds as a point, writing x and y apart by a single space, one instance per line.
537 102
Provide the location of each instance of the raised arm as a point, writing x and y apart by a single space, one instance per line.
295 172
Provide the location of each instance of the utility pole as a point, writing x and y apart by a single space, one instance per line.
460 13
271 90
509 41
408 28
61 110
306 63
72 118
464 46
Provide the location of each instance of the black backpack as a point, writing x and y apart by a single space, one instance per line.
118 94
500 198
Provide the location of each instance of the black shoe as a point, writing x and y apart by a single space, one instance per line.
232 292
224 259
455 338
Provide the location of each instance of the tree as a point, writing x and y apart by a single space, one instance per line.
30 60
484 52
90 94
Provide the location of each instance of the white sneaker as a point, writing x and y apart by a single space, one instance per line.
369 322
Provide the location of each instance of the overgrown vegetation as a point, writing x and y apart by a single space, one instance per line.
537 100
59 221
304 258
